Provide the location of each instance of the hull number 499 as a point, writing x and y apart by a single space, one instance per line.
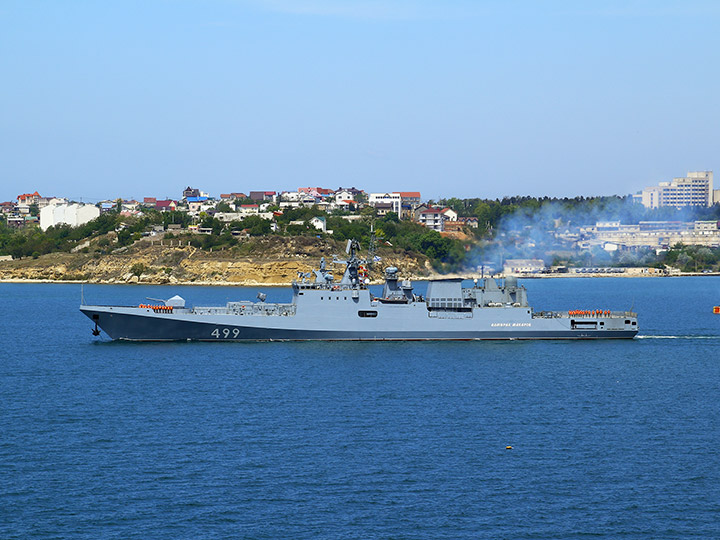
225 333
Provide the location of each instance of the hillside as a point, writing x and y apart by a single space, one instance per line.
270 260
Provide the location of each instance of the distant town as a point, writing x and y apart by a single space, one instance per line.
475 224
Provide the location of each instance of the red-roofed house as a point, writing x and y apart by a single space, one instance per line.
471 222
317 192
435 218
410 197
149 201
346 204
26 199
7 207
232 196
262 195
166 206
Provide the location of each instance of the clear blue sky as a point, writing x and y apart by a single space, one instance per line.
105 99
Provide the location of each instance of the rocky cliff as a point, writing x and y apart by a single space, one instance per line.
267 261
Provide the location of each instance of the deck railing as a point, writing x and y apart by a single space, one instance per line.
566 315
249 308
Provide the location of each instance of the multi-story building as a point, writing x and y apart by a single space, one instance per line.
70 214
394 199
349 193
403 202
190 192
26 200
7 208
696 189
435 218
654 234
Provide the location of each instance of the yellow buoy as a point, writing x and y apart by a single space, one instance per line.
508 447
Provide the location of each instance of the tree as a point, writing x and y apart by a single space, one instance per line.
703 256
138 269
684 261
124 237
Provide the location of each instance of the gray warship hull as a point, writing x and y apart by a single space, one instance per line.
326 314
324 309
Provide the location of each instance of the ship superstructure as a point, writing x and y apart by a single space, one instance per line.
325 309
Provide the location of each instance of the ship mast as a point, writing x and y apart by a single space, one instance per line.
372 247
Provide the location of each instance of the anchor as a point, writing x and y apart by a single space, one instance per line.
96 330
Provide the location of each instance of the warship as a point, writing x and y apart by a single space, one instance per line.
325 309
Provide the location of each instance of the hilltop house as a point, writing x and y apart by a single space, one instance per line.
166 206
435 218
190 192
225 197
260 196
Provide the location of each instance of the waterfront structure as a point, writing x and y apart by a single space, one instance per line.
613 235
513 267
695 189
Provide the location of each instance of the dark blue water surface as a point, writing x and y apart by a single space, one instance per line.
615 439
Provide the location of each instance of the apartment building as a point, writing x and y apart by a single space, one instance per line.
695 189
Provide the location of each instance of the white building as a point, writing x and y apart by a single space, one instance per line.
320 224
435 218
523 266
70 214
386 198
654 234
344 195
696 189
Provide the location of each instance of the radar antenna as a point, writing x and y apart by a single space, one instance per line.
372 246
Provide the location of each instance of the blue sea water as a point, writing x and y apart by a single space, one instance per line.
610 439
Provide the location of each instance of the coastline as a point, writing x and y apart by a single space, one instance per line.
256 283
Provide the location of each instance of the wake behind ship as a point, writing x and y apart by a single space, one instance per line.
325 309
